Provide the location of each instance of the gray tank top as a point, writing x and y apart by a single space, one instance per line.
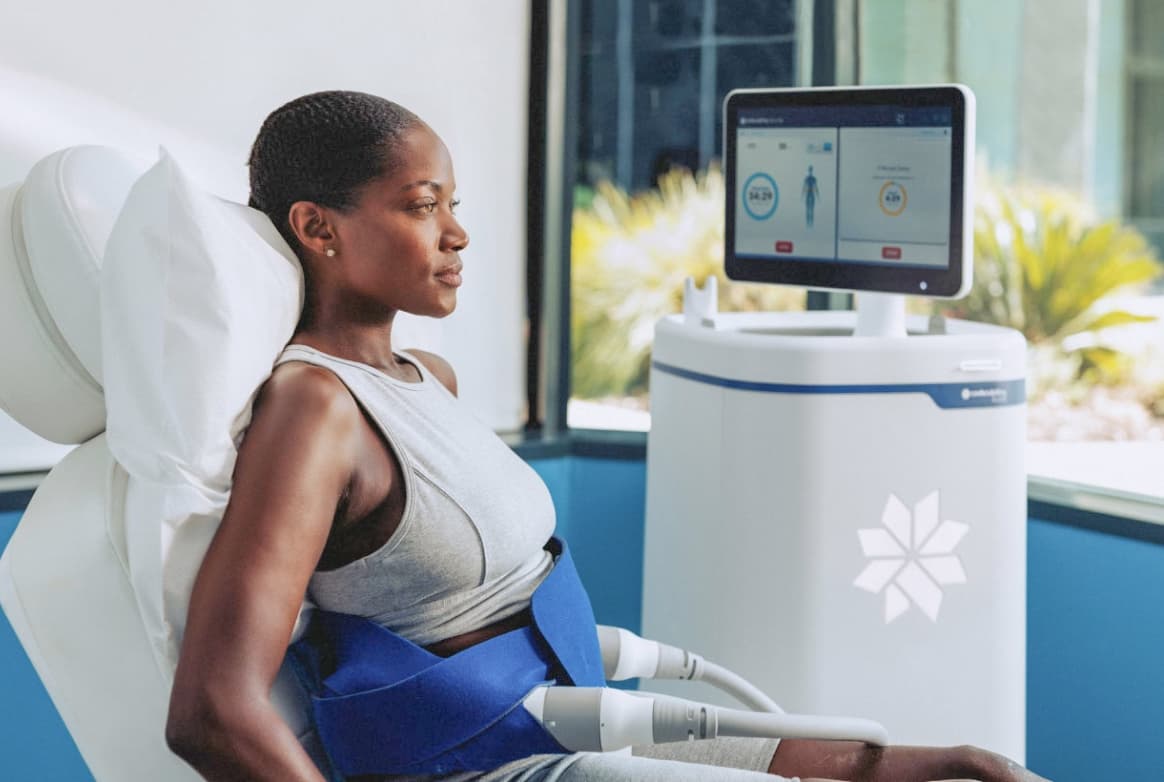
468 550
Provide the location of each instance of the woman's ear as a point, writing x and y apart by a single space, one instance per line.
311 226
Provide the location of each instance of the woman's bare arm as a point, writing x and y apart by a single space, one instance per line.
856 762
294 463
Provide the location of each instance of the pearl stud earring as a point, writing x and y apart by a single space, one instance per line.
329 252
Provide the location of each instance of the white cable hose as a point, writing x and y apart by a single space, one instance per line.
734 722
736 686
627 655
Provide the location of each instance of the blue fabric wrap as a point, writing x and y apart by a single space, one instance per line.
383 705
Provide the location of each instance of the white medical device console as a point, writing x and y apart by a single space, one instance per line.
854 481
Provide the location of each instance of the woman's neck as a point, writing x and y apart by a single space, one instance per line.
366 343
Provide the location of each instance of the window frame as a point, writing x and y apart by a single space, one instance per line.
554 94
1139 69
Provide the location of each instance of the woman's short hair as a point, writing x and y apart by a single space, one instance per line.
323 148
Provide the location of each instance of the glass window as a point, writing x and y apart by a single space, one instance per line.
647 191
1077 276
1070 184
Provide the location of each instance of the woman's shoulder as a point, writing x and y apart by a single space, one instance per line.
309 384
307 399
442 370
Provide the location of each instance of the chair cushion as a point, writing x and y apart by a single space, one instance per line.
52 230
198 298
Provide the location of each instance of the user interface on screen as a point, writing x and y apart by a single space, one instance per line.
860 195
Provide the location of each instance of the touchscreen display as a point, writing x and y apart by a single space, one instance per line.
870 191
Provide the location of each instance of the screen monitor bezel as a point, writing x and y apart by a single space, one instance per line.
951 281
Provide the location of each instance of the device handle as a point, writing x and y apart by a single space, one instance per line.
626 655
602 719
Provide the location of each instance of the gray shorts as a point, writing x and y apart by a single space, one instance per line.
726 759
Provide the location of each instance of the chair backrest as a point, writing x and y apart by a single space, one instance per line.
65 583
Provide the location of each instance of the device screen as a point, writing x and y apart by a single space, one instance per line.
839 191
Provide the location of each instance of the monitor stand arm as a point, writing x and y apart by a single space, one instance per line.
880 315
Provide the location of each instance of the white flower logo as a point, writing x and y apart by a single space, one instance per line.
915 554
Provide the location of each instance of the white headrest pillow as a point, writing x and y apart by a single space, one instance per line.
198 298
52 231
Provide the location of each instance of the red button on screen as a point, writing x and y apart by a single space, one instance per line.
891 253
783 247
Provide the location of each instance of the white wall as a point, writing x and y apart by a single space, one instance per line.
200 78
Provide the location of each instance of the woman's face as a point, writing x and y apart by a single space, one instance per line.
399 248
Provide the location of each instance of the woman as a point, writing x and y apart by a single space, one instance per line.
361 481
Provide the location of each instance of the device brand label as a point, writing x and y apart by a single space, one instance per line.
995 395
911 557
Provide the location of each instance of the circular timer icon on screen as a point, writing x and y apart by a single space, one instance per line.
760 196
893 198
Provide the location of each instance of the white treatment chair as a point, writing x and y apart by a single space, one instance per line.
67 575
64 576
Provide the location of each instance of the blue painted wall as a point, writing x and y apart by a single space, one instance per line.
1095 684
600 513
1095 655
34 744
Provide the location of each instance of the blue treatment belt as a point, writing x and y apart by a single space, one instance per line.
383 705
